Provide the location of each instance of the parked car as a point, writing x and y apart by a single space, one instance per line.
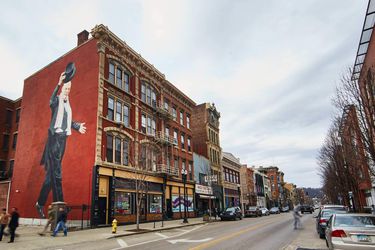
306 209
231 213
322 219
265 211
351 231
274 210
253 212
335 207
285 209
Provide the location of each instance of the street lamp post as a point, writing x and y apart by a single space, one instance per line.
184 176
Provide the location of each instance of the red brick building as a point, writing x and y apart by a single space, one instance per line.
206 137
249 196
9 120
355 157
276 178
126 104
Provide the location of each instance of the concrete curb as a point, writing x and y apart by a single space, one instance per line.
157 229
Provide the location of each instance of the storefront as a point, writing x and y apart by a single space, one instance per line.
205 199
231 197
115 196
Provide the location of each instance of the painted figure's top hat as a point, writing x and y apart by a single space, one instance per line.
70 70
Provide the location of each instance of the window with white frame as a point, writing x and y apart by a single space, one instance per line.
166 104
126 116
111 77
187 120
119 76
181 117
118 111
143 92
182 141
175 137
143 123
190 170
189 144
117 150
111 108
174 113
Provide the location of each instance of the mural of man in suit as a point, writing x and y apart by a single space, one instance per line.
58 131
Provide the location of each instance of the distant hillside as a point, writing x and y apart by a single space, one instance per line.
314 192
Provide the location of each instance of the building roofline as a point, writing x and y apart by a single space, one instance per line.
10 100
68 52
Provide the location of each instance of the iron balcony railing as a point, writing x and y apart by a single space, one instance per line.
167 169
162 110
163 138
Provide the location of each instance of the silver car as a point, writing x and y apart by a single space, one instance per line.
351 231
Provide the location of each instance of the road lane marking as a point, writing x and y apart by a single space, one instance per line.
188 241
218 240
181 230
150 241
122 243
162 235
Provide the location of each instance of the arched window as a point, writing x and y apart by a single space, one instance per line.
118 148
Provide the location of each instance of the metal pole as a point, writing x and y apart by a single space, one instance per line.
185 203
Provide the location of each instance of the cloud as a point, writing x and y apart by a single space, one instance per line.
269 66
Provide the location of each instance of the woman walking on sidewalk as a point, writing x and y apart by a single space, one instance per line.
4 220
51 218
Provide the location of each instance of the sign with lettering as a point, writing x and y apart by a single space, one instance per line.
200 189
210 178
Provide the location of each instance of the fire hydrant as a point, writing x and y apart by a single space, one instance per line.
114 226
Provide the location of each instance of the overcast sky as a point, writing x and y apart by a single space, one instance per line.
270 66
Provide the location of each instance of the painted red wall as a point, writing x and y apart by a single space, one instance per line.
79 156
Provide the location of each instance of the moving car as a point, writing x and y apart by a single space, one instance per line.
274 210
322 219
351 231
253 211
265 211
231 213
306 209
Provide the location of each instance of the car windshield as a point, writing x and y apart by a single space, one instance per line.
264 209
252 208
355 221
274 208
336 208
328 213
230 209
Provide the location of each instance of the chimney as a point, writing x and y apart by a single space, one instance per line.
83 36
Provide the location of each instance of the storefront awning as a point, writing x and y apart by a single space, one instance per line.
202 196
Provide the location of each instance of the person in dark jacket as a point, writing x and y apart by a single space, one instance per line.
61 220
60 128
13 224
4 220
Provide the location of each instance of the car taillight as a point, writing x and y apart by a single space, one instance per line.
322 221
338 233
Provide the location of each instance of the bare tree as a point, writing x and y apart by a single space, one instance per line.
361 94
144 163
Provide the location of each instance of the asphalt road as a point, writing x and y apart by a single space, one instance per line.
270 232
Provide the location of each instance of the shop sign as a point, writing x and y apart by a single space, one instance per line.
200 189
210 178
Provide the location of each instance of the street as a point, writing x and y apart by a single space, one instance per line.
271 232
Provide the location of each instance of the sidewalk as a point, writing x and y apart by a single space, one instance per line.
307 238
29 238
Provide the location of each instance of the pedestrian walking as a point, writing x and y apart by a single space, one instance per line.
13 224
51 218
215 212
297 216
61 220
4 220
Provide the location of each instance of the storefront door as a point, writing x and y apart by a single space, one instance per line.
143 209
169 208
102 210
